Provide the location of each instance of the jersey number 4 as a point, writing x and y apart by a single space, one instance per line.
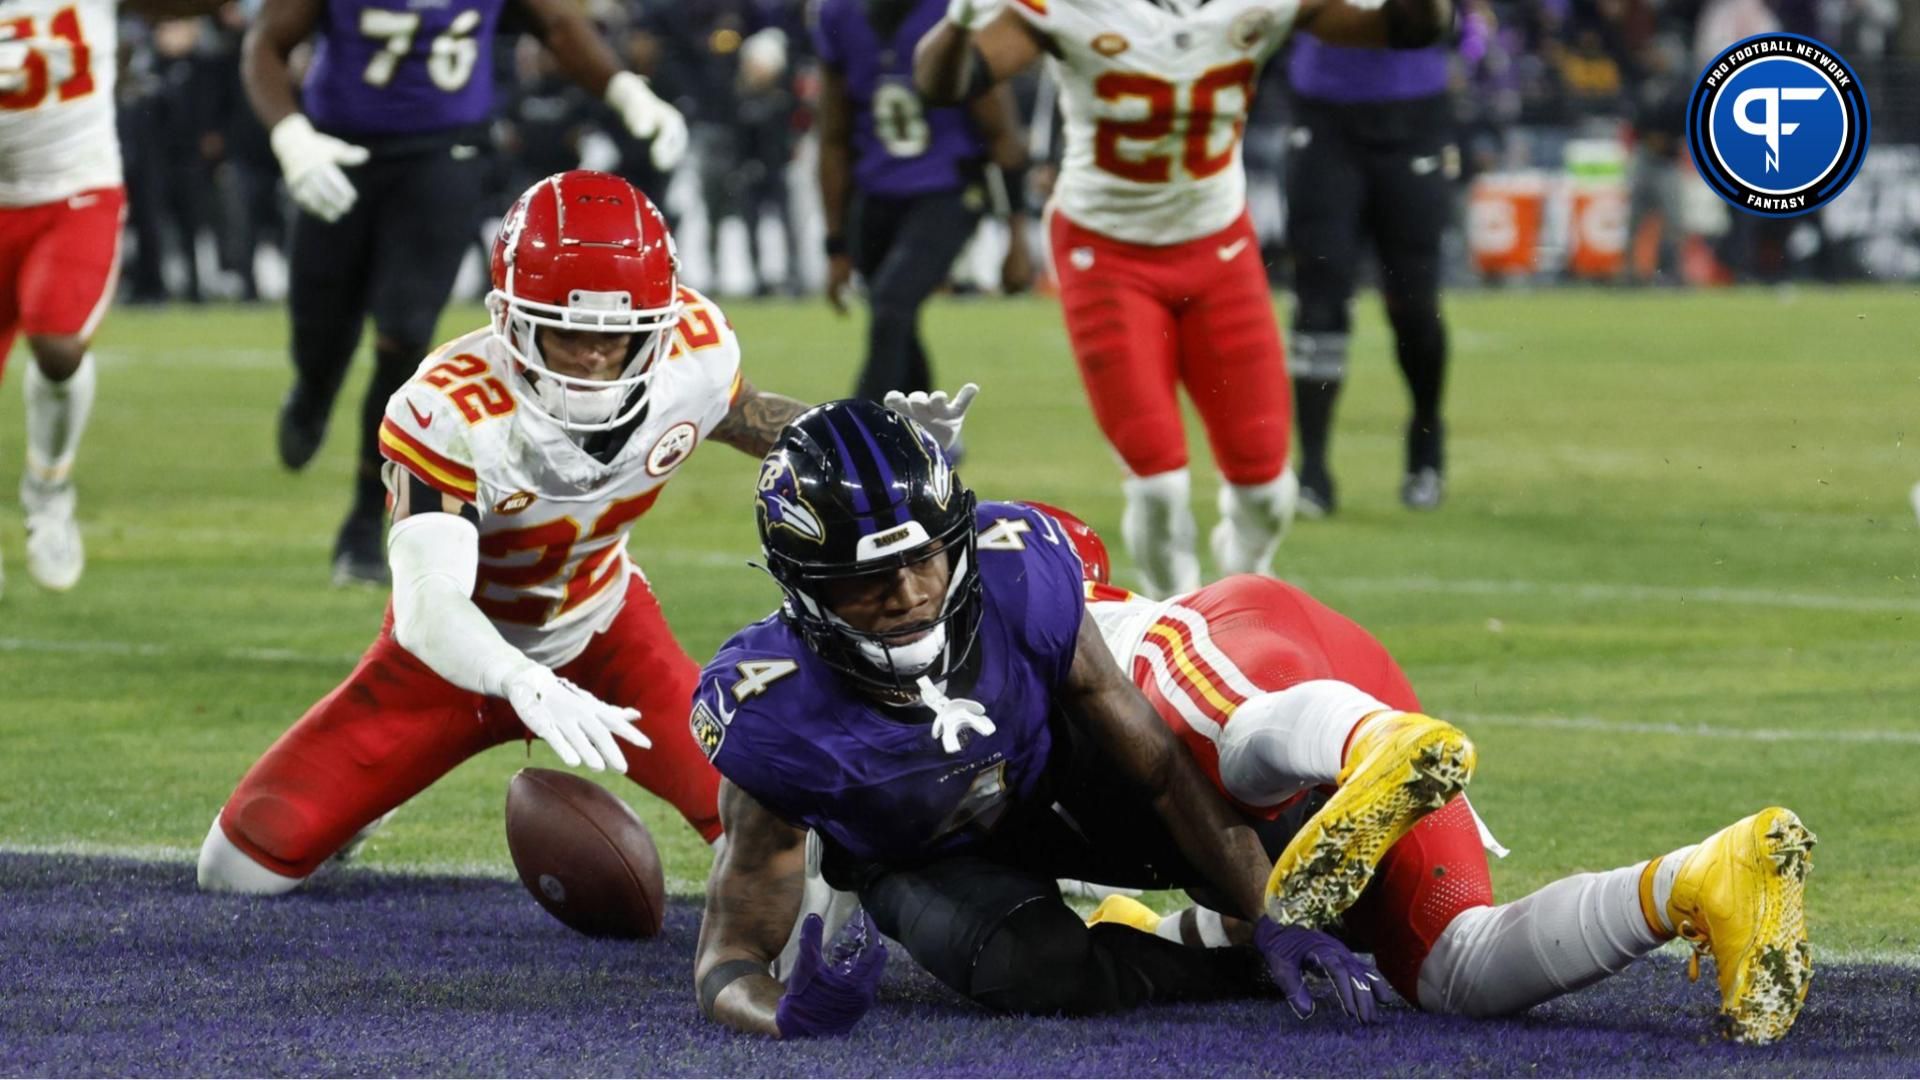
1162 101
450 59
29 71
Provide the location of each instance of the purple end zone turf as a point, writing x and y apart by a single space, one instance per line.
110 966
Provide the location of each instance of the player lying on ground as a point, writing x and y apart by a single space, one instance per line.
1161 281
932 702
521 455
1307 725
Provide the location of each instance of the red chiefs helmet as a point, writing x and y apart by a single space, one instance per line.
585 251
1095 564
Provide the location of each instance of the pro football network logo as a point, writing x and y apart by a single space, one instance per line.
1778 125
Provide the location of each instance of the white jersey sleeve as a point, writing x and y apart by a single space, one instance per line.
1155 100
58 60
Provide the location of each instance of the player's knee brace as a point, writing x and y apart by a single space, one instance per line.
223 867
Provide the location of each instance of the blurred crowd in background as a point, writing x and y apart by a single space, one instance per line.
1570 114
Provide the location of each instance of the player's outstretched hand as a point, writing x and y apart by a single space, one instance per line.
648 117
935 412
830 991
579 726
313 165
1294 951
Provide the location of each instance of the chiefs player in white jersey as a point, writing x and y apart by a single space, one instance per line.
1306 723
520 456
61 204
1160 274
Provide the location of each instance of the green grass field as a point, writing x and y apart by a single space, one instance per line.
1677 577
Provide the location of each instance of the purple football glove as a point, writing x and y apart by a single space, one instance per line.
828 994
1293 951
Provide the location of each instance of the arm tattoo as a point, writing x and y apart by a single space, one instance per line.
756 420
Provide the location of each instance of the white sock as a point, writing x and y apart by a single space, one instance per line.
1663 875
56 417
225 868
1158 528
1283 742
1208 928
1257 517
1492 961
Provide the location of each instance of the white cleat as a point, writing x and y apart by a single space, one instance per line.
1914 496
55 553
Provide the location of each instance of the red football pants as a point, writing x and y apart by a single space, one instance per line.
1248 634
58 265
394 727
1144 319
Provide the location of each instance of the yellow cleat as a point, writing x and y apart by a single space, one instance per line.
1125 911
1740 898
1398 771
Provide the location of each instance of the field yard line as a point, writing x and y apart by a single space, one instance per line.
167 853
138 648
1613 592
208 357
1703 731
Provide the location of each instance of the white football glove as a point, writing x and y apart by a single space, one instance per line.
579 726
649 117
942 418
312 162
973 14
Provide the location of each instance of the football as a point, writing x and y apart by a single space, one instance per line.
584 855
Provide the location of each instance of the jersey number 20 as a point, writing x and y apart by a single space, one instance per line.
1162 101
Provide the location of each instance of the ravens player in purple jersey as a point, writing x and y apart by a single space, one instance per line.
903 184
1372 160
386 163
931 703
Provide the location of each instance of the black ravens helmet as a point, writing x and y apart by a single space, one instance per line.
852 489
